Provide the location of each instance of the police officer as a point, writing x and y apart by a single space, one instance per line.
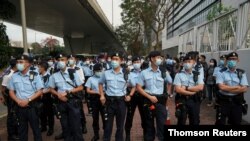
25 87
232 83
92 86
188 85
154 97
222 64
51 65
11 121
47 114
102 61
113 99
79 71
136 98
68 84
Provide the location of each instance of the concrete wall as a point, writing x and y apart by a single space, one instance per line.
232 3
243 64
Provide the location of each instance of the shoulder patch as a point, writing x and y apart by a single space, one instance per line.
223 69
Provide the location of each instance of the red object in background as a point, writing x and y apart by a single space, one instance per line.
152 107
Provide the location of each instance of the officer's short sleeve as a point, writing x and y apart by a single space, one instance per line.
88 83
200 79
219 78
11 84
102 79
177 80
6 79
141 79
168 78
244 81
201 70
52 81
216 70
39 83
78 80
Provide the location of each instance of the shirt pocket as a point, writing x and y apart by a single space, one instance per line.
27 85
121 83
17 84
110 81
148 81
59 83
159 82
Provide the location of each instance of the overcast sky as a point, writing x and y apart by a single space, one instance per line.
15 32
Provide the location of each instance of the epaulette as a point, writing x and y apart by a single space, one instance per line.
240 70
223 69
77 68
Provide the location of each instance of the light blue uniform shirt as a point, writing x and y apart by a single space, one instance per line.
86 70
187 79
115 83
57 80
153 81
133 78
23 86
231 79
217 70
201 71
93 83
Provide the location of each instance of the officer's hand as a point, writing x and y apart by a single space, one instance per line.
62 97
23 103
153 99
46 91
103 100
127 98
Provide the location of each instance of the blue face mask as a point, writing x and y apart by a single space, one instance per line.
61 65
137 66
221 62
158 62
20 67
71 62
114 64
187 66
231 64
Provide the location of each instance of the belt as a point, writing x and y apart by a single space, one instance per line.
112 98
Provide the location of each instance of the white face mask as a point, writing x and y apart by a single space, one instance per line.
50 63
71 62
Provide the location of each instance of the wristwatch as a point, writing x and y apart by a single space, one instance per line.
29 99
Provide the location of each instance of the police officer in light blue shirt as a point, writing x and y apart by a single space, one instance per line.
154 97
188 85
68 84
115 93
92 86
25 87
222 63
232 83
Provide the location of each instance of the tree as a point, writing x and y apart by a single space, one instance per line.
36 48
50 43
7 10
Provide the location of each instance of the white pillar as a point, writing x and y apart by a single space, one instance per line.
23 16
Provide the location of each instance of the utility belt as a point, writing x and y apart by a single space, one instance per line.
237 99
183 98
161 99
113 99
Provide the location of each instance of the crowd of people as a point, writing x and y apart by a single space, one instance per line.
36 91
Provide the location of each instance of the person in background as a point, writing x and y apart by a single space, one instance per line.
210 81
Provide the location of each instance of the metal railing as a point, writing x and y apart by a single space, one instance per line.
229 31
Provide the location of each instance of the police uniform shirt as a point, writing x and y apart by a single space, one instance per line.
200 70
217 70
46 84
80 73
133 78
231 79
115 83
86 70
184 78
23 86
7 77
93 83
153 81
57 80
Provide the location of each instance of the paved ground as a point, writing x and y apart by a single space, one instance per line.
207 118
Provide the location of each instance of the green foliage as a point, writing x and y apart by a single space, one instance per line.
217 10
5 50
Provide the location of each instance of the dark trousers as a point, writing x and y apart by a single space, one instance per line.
136 100
117 109
211 92
47 114
12 127
28 115
230 110
190 108
97 108
70 121
160 115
